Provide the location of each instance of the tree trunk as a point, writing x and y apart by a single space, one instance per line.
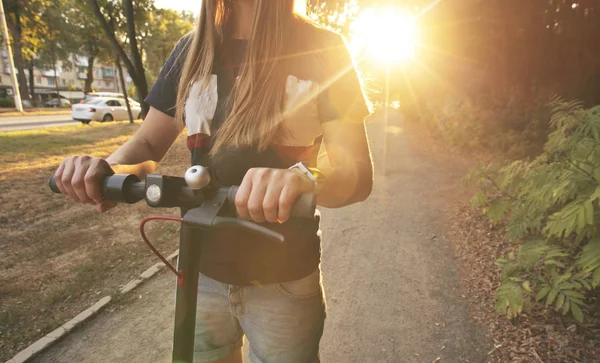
90 74
122 79
32 79
56 85
141 85
18 53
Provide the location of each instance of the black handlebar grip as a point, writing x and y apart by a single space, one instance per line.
122 188
52 185
304 207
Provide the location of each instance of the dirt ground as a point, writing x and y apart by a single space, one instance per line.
58 257
392 283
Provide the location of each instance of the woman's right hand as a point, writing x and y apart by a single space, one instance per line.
79 177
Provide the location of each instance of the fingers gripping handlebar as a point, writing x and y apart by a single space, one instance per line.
127 188
204 203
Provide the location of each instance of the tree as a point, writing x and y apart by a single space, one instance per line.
133 61
84 40
165 28
56 43
27 29
334 14
539 46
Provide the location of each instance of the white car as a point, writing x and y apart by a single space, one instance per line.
58 103
104 109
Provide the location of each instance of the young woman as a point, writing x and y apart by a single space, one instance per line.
260 89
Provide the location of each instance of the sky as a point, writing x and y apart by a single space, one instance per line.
192 5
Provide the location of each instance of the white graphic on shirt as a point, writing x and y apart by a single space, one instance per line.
297 90
201 106
301 120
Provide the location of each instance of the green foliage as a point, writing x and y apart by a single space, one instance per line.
7 103
163 30
26 23
336 15
551 206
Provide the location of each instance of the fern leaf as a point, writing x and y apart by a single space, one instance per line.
556 252
566 221
554 263
586 285
589 212
566 307
551 296
581 218
542 293
596 278
497 210
509 300
531 252
574 294
560 301
561 280
577 313
590 255
479 199
508 270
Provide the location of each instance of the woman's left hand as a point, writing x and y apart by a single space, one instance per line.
269 194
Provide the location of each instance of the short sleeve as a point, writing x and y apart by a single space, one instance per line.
342 95
163 95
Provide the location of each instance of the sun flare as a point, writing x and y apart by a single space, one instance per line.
384 34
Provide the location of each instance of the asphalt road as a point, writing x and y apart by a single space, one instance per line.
21 123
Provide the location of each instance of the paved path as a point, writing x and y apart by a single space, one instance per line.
20 123
391 282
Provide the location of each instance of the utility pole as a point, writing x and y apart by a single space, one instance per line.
16 92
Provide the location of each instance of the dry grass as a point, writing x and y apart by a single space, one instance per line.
59 257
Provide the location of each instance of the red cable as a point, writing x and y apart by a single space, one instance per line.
164 260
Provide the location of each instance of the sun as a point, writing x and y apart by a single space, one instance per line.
384 34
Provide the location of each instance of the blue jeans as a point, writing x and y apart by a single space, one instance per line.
282 322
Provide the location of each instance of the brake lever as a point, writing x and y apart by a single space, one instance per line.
207 217
225 222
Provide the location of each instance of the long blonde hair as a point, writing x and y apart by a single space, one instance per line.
258 95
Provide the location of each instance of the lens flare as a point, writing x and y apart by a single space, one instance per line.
384 35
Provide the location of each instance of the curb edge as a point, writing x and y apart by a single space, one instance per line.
49 339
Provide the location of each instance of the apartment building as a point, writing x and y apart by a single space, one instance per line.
69 79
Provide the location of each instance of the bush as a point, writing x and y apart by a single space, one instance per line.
7 103
550 207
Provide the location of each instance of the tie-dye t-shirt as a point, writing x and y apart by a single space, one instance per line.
322 86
